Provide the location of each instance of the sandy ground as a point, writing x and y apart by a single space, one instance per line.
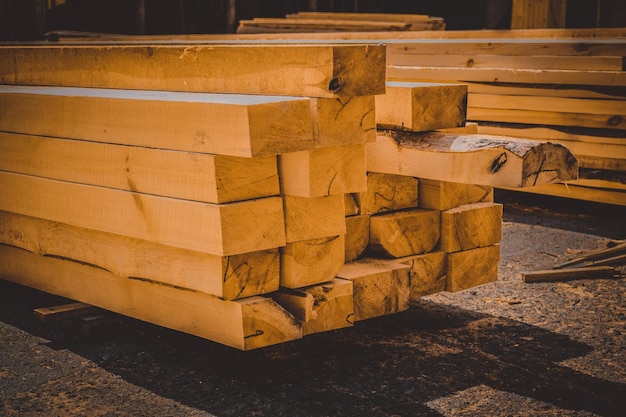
502 349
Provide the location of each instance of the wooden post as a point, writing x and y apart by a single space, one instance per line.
231 16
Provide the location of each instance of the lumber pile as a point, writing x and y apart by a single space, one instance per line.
218 205
310 22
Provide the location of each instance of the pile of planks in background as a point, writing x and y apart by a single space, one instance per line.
220 190
308 22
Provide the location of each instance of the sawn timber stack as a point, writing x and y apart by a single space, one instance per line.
215 214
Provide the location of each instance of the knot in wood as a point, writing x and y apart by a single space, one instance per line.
498 163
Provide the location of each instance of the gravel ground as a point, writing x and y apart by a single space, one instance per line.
502 349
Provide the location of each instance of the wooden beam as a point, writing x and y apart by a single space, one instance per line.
63 312
293 70
471 159
218 229
470 268
471 226
311 262
444 195
407 232
566 274
313 218
343 120
245 324
421 106
228 277
254 125
357 236
380 287
387 192
331 170
428 273
185 175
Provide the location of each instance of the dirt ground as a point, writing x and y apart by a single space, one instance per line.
502 349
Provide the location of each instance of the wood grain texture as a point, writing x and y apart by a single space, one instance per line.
470 268
311 262
380 287
444 195
471 226
387 192
357 236
254 125
428 273
245 324
282 69
343 120
313 218
471 159
402 233
218 229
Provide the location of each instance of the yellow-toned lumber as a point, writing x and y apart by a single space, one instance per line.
471 226
295 70
322 307
64 312
428 273
381 287
280 24
470 268
422 106
312 261
391 17
388 192
245 324
184 175
316 217
218 229
566 274
598 191
225 124
323 171
357 236
468 128
343 120
471 159
351 204
531 14
402 233
505 75
228 277
444 195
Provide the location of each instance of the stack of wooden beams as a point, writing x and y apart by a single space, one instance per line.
204 187
340 22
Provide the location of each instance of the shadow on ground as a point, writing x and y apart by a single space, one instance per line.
392 366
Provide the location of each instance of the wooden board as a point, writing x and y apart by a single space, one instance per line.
343 120
245 324
320 308
588 190
184 175
471 159
471 226
422 106
444 195
295 70
331 170
470 268
402 233
218 229
64 312
279 24
228 277
387 192
357 236
313 218
312 261
254 125
380 287
428 273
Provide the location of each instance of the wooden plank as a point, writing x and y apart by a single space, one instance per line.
391 17
357 236
245 324
585 120
63 312
504 75
585 192
380 287
197 122
470 268
218 229
332 170
228 277
184 175
402 233
428 273
471 159
320 308
422 106
311 262
549 90
292 70
279 24
343 120
566 274
387 192
471 226
444 195
312 218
